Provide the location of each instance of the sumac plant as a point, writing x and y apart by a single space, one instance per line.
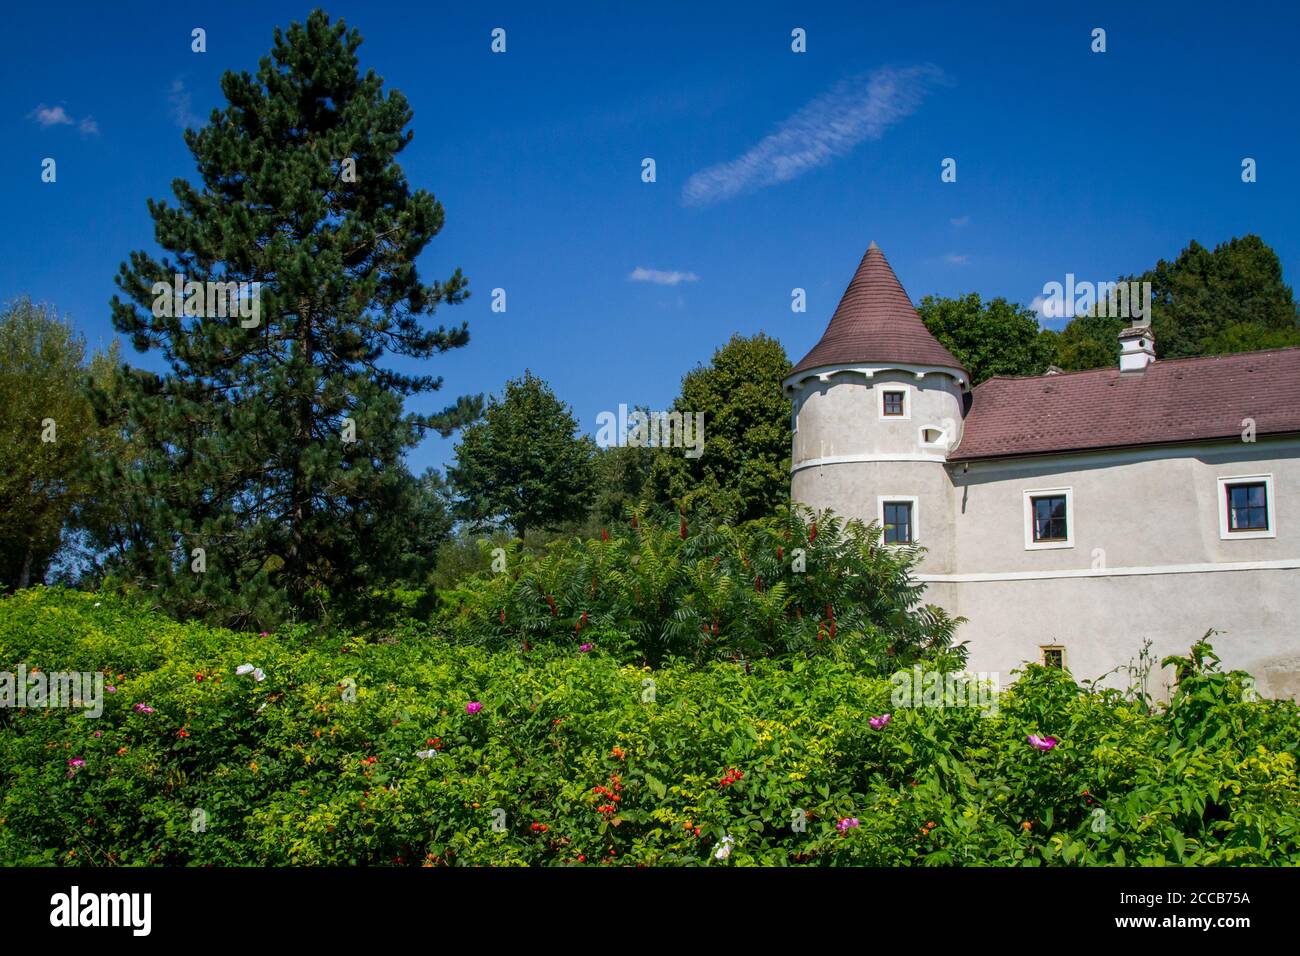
797 582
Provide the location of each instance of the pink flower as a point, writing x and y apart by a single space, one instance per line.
264 634
142 709
846 824
111 689
99 733
878 722
76 762
473 707
585 647
1042 743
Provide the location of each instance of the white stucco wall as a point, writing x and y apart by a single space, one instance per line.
1147 559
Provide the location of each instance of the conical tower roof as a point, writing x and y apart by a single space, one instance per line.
875 323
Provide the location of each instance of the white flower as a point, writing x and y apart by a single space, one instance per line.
724 848
98 603
243 669
258 675
426 754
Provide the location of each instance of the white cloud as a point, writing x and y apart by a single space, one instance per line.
180 100
47 116
956 259
856 109
1046 308
960 222
658 277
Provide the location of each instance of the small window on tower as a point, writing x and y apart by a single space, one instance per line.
898 522
1054 656
894 406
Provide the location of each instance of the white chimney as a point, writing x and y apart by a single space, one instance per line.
1137 348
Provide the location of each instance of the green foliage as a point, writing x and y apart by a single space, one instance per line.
623 480
245 450
1090 341
744 467
1231 299
671 586
523 466
290 771
48 434
993 338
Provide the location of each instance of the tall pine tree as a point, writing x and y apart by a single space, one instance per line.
276 447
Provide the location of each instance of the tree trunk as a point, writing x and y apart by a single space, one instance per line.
25 575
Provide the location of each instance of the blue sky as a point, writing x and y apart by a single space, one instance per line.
774 169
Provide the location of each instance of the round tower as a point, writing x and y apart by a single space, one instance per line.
878 404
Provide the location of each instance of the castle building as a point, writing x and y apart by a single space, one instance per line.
1072 516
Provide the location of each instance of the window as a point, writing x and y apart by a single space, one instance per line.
893 402
898 522
1049 519
1246 507
1053 656
794 414
898 516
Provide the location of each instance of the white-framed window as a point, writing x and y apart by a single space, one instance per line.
1049 519
895 403
1246 508
794 414
900 517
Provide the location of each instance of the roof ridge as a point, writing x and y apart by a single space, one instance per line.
1158 361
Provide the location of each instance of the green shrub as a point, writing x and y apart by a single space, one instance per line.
681 588
317 764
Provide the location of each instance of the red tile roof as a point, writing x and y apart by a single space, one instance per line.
874 323
1177 400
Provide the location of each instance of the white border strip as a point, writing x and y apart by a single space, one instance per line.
1282 564
854 459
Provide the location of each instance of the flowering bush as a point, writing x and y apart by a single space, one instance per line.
677 588
356 753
